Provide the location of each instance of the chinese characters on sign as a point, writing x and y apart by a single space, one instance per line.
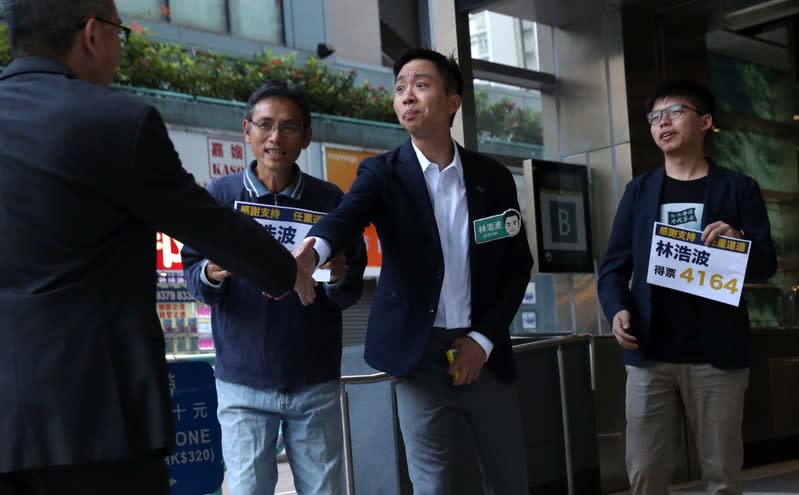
289 226
195 466
225 157
167 252
679 260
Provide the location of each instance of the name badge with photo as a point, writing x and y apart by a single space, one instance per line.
493 228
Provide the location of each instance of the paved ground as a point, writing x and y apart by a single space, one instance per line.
774 479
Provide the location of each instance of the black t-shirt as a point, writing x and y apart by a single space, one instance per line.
675 336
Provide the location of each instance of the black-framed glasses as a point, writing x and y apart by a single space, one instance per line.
124 31
673 111
292 129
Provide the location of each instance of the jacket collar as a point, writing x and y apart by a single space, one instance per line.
255 187
32 64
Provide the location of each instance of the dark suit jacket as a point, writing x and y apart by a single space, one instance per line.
87 176
390 191
729 196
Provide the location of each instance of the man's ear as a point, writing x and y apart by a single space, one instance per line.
307 135
454 101
245 128
87 39
707 123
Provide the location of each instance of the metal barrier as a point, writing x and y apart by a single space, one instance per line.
556 342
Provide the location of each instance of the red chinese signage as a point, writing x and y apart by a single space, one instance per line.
225 156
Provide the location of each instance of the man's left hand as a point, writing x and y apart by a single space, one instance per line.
714 230
470 360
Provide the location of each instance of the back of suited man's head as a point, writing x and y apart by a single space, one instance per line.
48 27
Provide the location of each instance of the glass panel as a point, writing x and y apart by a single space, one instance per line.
509 120
256 19
771 161
751 89
504 40
140 9
203 14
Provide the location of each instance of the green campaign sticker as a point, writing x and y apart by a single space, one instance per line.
506 224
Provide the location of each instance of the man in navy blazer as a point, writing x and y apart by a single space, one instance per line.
440 285
87 177
685 355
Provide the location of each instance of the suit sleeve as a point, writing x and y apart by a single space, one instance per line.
156 189
354 213
756 228
194 264
516 265
349 291
617 267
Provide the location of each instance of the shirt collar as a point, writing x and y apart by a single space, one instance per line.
257 189
456 160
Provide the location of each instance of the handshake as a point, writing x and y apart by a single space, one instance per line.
304 283
306 259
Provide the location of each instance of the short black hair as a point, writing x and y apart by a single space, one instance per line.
272 88
510 213
697 95
48 27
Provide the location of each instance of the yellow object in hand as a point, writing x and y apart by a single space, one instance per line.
451 353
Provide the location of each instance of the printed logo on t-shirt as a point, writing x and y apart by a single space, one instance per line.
686 215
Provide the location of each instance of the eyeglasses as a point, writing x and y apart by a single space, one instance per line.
124 31
285 128
673 111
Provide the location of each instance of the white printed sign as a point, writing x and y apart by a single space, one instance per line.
679 260
289 226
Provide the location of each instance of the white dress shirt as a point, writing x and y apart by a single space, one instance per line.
447 191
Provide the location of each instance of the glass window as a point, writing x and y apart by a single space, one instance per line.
770 160
203 14
256 19
139 9
513 41
751 89
509 120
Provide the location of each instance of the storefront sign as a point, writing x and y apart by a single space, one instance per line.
195 466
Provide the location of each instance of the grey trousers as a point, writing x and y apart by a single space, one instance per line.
711 399
428 408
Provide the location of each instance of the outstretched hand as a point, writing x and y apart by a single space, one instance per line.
305 256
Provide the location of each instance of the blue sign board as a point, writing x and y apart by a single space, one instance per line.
195 467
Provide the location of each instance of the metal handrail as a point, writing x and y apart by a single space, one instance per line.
556 342
552 342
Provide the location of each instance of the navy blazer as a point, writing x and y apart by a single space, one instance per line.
87 176
731 197
390 192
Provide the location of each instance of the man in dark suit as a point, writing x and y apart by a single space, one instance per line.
439 287
87 177
685 354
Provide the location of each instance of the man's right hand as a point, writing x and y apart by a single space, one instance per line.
215 272
621 323
305 256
